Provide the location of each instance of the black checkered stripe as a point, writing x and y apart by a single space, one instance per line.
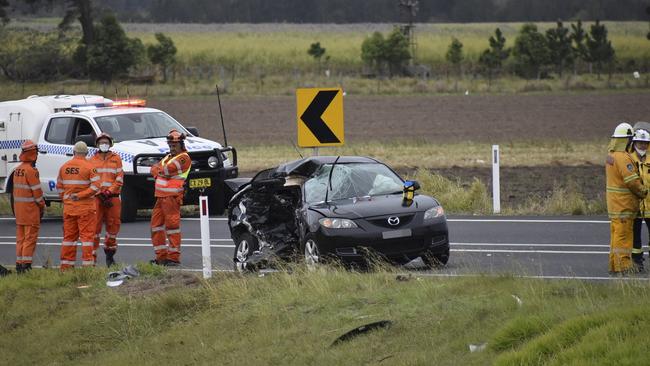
11 144
65 149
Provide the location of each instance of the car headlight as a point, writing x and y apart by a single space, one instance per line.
213 161
434 212
337 223
148 161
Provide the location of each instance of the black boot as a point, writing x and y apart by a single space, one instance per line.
110 261
19 268
27 267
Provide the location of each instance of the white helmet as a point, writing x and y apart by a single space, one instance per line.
641 135
623 130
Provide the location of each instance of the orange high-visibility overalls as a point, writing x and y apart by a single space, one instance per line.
28 205
77 178
170 174
109 169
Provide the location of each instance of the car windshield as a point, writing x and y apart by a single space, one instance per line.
136 126
352 180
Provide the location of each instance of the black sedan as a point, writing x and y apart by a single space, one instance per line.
334 207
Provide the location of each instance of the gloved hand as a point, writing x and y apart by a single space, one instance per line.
106 198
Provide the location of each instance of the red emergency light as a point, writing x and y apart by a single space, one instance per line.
130 103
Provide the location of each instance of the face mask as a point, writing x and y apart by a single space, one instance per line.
104 147
641 152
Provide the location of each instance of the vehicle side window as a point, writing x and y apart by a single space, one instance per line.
58 131
82 127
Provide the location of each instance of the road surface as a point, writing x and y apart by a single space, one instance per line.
548 247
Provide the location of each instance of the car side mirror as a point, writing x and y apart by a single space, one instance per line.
412 183
88 139
193 130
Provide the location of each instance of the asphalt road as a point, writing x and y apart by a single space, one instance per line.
547 247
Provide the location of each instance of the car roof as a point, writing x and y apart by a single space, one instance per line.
307 166
101 112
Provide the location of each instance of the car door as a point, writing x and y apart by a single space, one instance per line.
56 148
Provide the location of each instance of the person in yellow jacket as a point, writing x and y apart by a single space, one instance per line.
624 190
641 140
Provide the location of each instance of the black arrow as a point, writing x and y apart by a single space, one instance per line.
312 117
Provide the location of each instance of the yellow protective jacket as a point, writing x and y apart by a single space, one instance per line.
644 174
624 186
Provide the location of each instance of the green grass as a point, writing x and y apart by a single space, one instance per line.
292 319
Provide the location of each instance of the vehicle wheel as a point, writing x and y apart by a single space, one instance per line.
245 246
129 204
438 259
311 253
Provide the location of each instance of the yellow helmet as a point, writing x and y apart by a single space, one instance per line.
623 130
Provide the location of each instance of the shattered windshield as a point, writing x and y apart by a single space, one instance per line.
136 126
352 180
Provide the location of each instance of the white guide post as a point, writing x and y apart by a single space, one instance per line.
496 189
205 237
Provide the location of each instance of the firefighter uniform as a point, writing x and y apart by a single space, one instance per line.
644 211
170 175
28 206
78 183
108 204
624 189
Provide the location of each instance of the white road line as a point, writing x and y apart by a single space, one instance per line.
527 251
533 221
147 245
530 245
599 278
118 239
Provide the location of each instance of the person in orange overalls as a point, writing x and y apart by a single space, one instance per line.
107 202
170 175
28 206
78 183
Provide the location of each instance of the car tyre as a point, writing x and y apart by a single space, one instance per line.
129 204
311 253
245 245
438 259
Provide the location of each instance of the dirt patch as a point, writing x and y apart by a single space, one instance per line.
480 118
150 285
520 183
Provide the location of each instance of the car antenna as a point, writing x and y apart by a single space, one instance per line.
329 179
223 127
296 148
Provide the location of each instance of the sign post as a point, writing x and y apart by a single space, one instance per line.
205 237
496 189
319 115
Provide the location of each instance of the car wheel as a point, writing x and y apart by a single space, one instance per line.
129 204
311 253
245 246
437 259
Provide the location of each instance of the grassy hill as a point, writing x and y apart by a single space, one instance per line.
292 318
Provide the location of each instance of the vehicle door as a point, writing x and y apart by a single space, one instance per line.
3 138
56 146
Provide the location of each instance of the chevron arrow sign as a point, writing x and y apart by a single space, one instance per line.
320 117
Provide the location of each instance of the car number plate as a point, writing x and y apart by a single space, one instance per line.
200 183
396 234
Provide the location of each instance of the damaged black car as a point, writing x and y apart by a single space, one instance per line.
328 207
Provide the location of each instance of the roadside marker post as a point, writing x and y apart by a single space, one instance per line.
496 189
205 237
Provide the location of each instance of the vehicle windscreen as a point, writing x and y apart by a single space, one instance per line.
136 126
352 180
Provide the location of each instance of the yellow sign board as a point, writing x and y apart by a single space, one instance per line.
320 117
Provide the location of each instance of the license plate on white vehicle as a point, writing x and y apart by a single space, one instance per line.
396 234
200 183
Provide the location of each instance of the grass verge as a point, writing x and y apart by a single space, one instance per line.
293 318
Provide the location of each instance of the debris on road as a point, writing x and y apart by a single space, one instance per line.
478 347
362 330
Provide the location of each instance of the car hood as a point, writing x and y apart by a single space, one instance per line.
159 145
374 206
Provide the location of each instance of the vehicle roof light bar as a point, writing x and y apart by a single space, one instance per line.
130 103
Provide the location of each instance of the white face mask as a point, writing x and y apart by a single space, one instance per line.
640 152
104 147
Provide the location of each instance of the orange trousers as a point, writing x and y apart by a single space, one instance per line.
620 254
26 236
109 216
166 225
78 228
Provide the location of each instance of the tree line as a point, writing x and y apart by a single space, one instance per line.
345 11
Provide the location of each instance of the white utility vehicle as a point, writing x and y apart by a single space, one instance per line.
56 122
